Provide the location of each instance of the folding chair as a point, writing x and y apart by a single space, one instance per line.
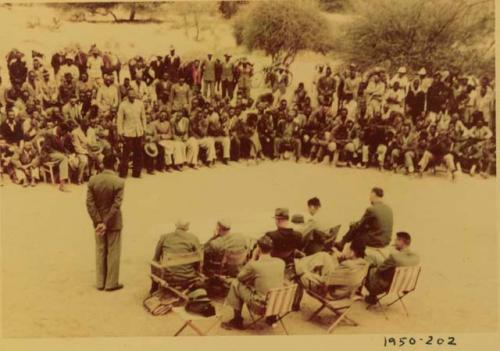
403 282
279 303
339 307
189 320
230 260
160 275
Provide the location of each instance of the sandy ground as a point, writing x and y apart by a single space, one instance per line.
48 246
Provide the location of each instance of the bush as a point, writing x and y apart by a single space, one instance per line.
229 8
423 33
282 29
333 5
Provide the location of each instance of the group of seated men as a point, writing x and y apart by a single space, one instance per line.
281 255
169 116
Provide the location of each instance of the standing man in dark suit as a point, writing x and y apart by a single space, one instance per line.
374 228
104 199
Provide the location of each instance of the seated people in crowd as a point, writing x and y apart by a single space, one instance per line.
374 229
223 241
257 277
178 242
380 278
339 275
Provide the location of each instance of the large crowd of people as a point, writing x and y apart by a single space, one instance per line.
65 112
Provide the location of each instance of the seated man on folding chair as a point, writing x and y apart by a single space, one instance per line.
222 242
257 277
374 228
332 274
178 242
318 231
380 278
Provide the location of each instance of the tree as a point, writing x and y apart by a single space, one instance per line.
283 29
230 8
112 9
422 33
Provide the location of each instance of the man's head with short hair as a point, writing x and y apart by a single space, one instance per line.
376 194
403 240
281 215
265 244
109 161
313 204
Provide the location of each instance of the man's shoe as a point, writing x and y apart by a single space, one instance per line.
101 288
271 320
371 299
235 323
118 287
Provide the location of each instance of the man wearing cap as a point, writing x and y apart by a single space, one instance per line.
425 80
256 278
379 279
208 69
374 92
131 123
221 242
374 229
286 241
179 241
104 199
227 78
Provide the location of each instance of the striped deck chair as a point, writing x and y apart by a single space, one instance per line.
189 320
404 282
279 303
160 275
339 307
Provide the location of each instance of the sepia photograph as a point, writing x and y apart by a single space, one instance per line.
249 168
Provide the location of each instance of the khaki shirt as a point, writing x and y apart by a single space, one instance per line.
131 119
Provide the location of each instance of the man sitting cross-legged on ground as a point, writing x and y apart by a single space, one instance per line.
257 277
374 228
338 271
223 241
178 242
380 278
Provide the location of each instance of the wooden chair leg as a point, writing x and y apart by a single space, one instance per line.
195 328
181 329
404 306
338 320
283 325
317 312
383 310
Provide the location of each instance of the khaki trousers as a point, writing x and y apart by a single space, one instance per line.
108 249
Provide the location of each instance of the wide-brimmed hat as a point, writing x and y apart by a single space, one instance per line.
151 149
402 69
281 213
95 148
422 72
198 295
225 223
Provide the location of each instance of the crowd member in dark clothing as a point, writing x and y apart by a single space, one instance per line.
415 101
11 129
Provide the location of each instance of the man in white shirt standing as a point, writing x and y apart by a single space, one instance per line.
131 122
94 65
107 95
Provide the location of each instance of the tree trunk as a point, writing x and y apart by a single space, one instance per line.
132 14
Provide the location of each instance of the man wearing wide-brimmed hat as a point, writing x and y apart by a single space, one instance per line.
286 241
